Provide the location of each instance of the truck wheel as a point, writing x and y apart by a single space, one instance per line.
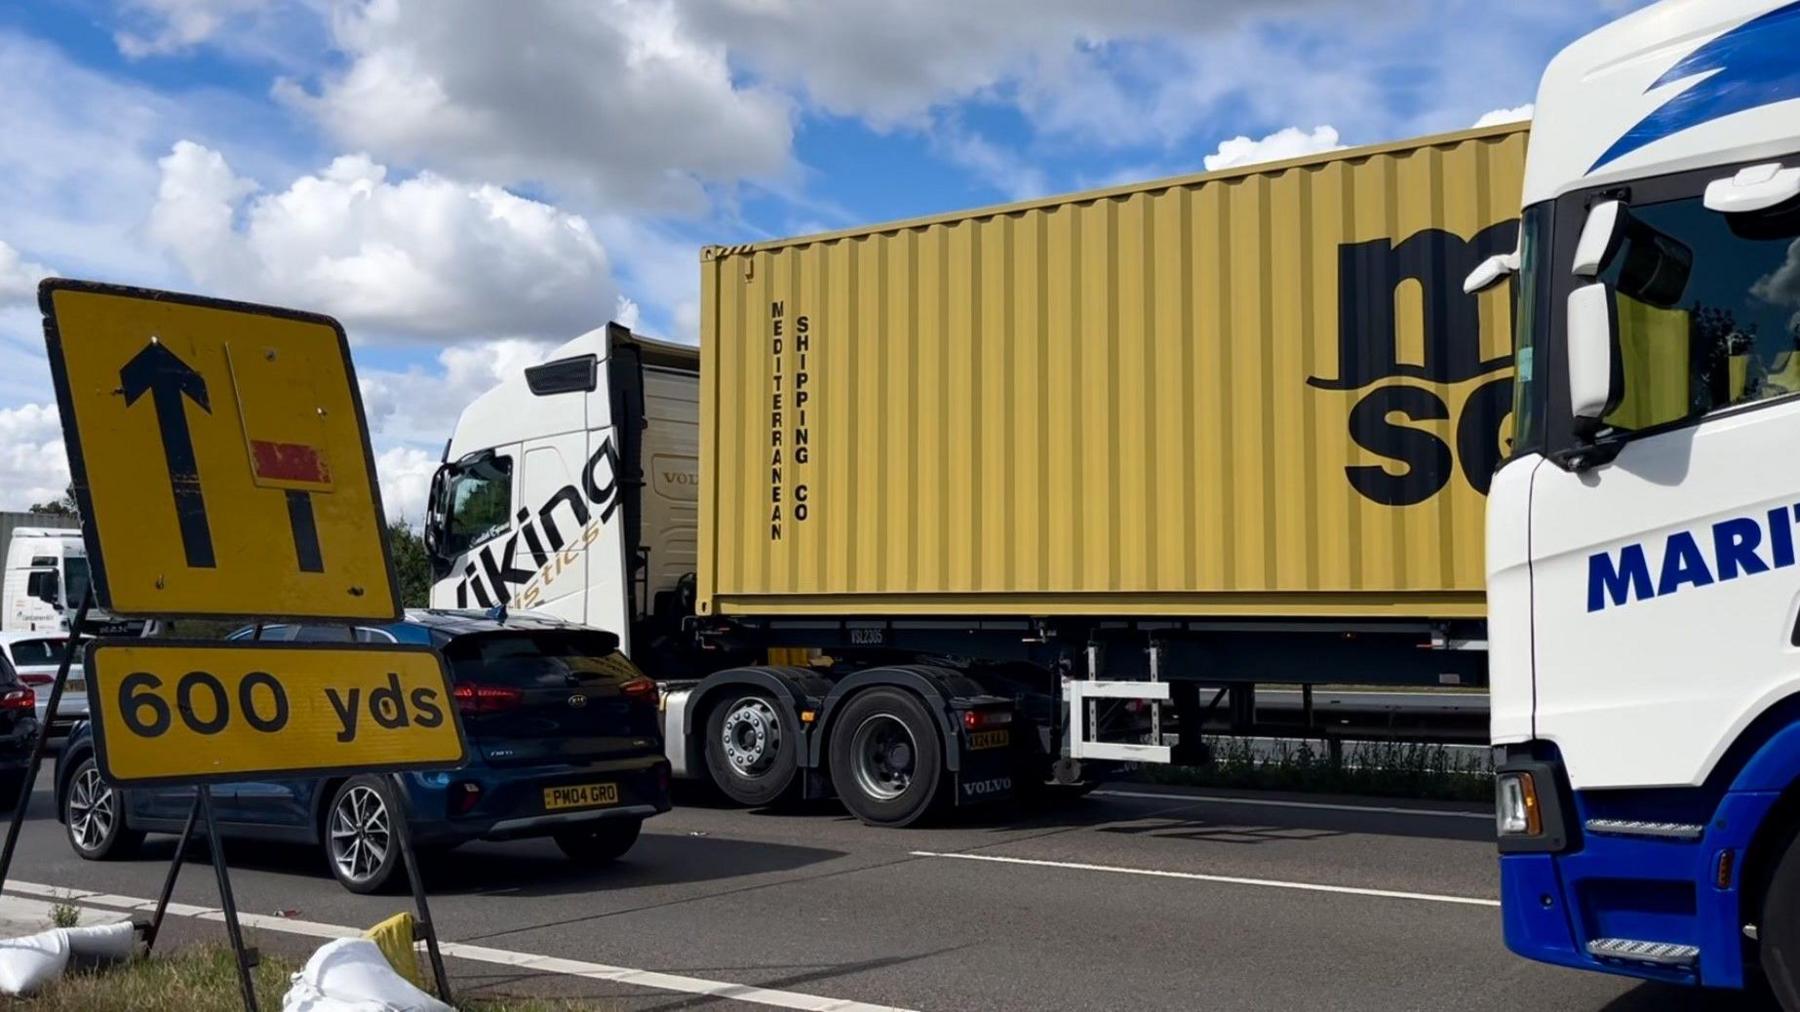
752 749
887 762
1780 930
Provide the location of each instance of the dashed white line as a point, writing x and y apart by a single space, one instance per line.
480 953
1267 883
1224 799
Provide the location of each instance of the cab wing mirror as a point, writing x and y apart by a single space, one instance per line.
1594 367
1600 238
1491 272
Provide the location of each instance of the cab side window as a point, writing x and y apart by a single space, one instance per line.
480 504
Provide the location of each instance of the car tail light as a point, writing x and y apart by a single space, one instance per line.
18 699
37 679
641 689
474 698
464 796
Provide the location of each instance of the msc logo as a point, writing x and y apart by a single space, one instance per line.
1740 546
1369 276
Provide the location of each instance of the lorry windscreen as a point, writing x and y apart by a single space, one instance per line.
1708 305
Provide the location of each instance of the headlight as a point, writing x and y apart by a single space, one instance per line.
1516 805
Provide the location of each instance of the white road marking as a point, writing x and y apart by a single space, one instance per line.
1221 799
1392 894
480 953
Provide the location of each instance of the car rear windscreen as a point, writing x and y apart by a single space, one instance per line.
37 653
537 660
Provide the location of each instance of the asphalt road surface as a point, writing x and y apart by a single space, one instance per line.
1134 898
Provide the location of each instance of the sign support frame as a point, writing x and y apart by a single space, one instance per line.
423 926
245 957
168 886
23 801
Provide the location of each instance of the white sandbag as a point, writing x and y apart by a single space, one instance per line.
102 941
27 964
351 975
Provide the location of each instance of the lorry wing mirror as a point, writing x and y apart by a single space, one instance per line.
1600 238
1753 188
436 508
1594 367
1491 272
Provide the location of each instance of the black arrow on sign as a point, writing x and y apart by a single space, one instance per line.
169 379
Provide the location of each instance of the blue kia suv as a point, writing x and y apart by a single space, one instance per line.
564 741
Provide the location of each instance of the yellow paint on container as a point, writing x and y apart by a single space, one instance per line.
1260 391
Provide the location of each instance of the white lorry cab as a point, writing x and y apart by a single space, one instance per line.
46 576
572 488
1643 592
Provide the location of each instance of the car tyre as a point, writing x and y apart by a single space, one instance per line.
361 846
94 816
753 748
601 843
887 758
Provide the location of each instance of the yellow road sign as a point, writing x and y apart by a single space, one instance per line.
170 711
219 456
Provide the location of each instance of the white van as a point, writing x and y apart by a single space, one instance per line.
46 575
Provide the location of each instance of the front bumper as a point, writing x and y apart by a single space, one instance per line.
511 799
1661 868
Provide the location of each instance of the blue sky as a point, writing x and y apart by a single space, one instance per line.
465 183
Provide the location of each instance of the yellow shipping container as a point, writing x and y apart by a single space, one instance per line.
1259 391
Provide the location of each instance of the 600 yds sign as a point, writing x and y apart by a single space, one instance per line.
169 712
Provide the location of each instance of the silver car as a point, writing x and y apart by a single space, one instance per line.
36 655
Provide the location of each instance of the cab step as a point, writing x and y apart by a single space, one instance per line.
1634 951
1654 830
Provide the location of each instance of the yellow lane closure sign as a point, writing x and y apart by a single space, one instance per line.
176 712
219 455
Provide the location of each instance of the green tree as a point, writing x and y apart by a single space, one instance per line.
412 567
64 507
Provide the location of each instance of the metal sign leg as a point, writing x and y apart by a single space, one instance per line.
168 886
246 957
43 736
425 928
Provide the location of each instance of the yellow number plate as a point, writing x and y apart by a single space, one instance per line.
580 796
989 739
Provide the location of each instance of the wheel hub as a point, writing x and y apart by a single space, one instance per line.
883 756
751 736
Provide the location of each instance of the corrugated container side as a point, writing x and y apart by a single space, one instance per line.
1245 393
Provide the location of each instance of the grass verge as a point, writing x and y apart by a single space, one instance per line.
1380 769
203 978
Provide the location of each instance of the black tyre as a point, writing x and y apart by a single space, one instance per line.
600 843
752 748
887 758
1779 931
361 845
94 816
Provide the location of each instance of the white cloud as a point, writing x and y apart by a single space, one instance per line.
1289 142
160 27
405 476
421 406
419 257
1003 169
1499 116
19 277
615 99
33 466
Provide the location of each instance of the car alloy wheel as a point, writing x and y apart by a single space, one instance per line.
93 809
361 833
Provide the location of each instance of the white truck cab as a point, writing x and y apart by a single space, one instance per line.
572 488
1644 601
46 576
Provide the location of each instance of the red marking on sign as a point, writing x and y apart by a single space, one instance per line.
287 462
